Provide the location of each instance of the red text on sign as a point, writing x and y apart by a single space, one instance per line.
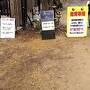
77 13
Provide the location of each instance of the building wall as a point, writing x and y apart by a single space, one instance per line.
16 8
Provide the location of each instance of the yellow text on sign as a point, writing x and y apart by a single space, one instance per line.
77 21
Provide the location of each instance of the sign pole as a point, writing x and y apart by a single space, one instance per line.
47 23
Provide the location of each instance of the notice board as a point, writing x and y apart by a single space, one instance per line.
7 28
77 21
47 20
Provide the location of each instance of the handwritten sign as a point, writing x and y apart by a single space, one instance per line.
77 21
7 28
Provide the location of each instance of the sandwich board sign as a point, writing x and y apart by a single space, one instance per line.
7 27
47 20
48 25
77 21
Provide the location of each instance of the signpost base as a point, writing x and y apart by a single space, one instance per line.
48 34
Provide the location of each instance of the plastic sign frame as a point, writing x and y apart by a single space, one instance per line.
77 21
47 20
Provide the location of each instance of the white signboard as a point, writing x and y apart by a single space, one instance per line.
7 28
77 26
48 25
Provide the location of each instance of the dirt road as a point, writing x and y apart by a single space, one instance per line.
28 63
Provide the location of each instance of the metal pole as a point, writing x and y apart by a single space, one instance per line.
54 6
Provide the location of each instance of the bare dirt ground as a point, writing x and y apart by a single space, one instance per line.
29 63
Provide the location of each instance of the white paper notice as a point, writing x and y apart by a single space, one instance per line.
48 25
7 28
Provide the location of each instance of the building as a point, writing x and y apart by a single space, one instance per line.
19 9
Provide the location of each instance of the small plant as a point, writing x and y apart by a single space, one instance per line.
36 23
57 17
